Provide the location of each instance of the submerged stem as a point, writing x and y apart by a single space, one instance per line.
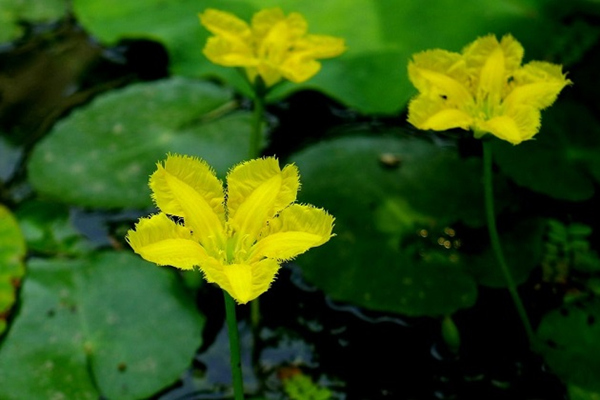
495 239
234 347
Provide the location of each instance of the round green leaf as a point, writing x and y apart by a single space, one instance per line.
371 76
378 259
571 343
113 324
103 154
12 252
522 245
47 229
562 159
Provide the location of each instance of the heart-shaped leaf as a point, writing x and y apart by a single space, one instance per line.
103 154
571 346
389 195
562 160
112 326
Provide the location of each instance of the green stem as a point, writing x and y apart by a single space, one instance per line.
495 239
234 347
258 120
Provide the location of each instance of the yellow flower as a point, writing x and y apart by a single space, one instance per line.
274 47
239 237
484 89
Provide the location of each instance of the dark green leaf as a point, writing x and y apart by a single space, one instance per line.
571 344
113 325
559 161
522 246
371 76
378 258
48 229
102 155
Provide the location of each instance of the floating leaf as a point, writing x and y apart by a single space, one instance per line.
102 155
112 323
569 142
48 229
12 252
522 246
368 262
570 343
390 32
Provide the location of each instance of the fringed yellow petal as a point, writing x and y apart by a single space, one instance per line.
537 84
187 187
477 53
297 25
256 191
299 69
264 20
445 74
162 241
269 74
519 124
239 280
427 113
232 45
439 84
229 53
513 53
296 229
245 282
212 269
491 64
275 46
272 50
320 46
225 24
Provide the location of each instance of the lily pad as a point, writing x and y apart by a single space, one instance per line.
368 262
570 343
522 245
103 154
14 12
12 269
390 32
562 161
78 332
48 229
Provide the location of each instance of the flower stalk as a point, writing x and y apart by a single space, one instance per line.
495 240
237 234
272 48
258 118
234 346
